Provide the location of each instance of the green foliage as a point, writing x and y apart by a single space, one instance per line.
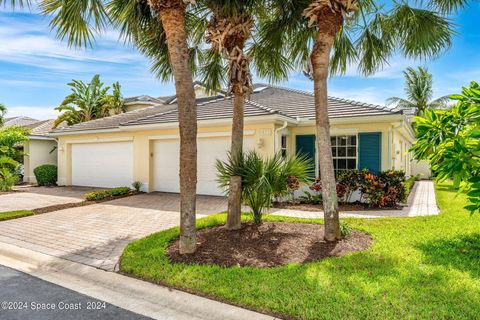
345 229
46 175
137 185
107 193
8 178
375 33
386 189
311 198
450 141
10 139
263 179
3 112
419 92
418 268
89 101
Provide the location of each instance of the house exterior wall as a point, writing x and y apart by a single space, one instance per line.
37 153
262 133
395 141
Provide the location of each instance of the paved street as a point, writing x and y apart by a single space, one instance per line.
32 295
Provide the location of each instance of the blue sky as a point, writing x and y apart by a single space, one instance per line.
35 67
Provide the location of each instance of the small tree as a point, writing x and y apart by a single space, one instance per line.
450 141
11 139
419 92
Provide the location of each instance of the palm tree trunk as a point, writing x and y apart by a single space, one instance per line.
173 20
235 195
328 26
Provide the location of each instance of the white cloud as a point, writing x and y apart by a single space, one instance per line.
40 113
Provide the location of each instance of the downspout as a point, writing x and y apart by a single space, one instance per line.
277 138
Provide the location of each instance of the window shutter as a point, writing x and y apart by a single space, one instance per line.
370 151
305 145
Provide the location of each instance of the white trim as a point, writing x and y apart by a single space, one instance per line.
74 133
101 140
34 137
201 135
356 120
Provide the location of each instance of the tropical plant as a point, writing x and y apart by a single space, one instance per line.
263 179
89 101
419 92
11 139
159 29
115 102
3 112
322 36
137 186
450 141
8 178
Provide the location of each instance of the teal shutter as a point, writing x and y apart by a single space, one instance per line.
370 151
305 145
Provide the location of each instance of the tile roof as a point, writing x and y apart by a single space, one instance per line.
265 100
19 121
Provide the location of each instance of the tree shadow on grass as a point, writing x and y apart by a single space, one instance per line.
462 253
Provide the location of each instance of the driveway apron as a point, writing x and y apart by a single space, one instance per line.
96 235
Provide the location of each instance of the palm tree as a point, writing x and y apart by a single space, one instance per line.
419 92
77 21
88 101
3 112
228 31
323 36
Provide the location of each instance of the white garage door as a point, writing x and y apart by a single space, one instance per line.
105 165
166 163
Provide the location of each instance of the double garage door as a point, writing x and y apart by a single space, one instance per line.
110 165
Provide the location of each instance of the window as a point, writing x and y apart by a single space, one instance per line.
284 147
344 151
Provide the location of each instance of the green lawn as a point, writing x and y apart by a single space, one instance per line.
418 268
15 214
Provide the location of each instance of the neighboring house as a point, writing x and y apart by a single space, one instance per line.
143 145
40 149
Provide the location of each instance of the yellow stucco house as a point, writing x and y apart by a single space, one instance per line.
143 144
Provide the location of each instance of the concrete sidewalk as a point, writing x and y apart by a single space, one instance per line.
137 296
421 202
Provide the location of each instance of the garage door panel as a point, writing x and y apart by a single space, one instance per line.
105 165
166 163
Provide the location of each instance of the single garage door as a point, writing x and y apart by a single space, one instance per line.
105 165
166 163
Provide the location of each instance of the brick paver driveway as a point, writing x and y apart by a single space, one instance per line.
39 197
97 234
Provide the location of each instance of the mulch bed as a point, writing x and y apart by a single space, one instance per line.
78 204
266 245
319 207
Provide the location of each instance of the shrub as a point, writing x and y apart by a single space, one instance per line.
8 178
107 193
317 188
137 185
350 180
46 175
345 229
264 179
387 189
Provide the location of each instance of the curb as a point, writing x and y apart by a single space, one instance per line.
138 296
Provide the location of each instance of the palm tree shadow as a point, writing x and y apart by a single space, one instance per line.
461 253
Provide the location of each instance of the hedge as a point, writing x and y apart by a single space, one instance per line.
46 175
108 193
